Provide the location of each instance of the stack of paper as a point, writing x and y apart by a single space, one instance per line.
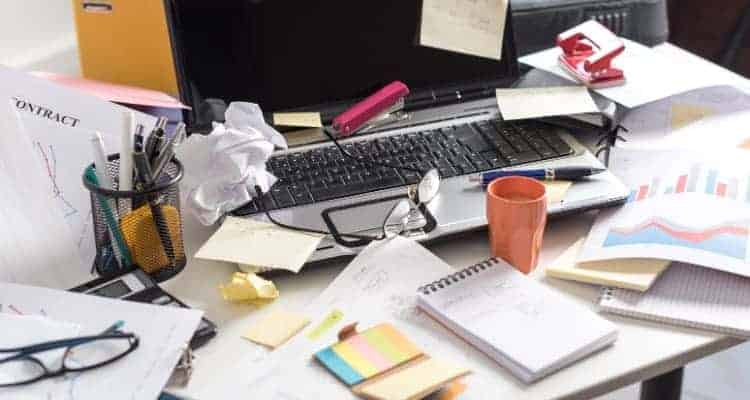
628 273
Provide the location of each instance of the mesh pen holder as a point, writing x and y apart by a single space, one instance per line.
141 227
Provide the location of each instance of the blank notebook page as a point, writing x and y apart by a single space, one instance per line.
514 319
690 296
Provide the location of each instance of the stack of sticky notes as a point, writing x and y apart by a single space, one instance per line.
630 273
367 354
382 363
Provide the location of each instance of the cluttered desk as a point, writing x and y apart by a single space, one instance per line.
420 221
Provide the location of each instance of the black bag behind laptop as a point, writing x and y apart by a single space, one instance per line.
537 22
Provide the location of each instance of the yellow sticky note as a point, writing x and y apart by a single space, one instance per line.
247 241
276 328
686 114
556 190
469 27
248 286
333 318
631 273
301 119
414 382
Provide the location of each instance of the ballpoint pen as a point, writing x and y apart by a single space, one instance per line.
550 174
122 253
156 139
126 153
167 151
146 179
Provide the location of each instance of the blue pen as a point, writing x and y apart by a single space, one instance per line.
548 174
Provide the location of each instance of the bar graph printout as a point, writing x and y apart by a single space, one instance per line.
683 206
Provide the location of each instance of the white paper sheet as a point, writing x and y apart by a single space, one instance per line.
676 120
36 246
650 75
540 102
378 285
683 206
473 27
163 331
57 120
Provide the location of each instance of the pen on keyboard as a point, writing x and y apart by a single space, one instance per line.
549 174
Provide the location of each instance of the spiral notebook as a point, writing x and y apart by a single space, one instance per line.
691 296
525 327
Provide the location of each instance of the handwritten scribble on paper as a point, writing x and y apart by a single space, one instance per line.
473 27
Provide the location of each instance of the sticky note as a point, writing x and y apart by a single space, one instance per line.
300 119
686 114
469 27
248 286
369 353
414 382
556 190
632 273
305 136
247 241
525 103
276 328
331 320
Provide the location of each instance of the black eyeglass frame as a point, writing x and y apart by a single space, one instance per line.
26 353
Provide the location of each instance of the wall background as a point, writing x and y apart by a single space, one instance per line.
39 35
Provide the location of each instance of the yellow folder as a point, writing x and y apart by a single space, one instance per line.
126 42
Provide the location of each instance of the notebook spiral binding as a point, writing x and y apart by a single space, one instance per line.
456 277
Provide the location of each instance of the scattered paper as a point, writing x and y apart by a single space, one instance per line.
247 241
628 273
305 136
556 190
470 27
59 122
330 321
540 102
36 246
248 286
276 328
378 285
686 114
164 334
300 119
113 92
684 205
414 382
649 75
711 116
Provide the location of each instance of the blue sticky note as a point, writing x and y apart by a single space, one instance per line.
338 366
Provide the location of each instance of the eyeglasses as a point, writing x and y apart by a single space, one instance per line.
81 354
396 221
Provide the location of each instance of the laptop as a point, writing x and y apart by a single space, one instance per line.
288 55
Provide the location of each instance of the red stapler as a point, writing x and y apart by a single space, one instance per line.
588 51
383 107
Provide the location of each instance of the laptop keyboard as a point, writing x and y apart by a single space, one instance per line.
325 173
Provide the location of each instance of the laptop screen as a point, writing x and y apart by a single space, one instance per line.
290 54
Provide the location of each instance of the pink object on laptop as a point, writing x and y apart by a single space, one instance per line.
357 115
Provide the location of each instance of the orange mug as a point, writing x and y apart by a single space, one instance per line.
516 215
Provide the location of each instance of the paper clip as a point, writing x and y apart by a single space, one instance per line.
381 108
588 51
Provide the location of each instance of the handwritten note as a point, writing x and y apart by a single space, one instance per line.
473 27
276 328
246 241
540 102
686 114
300 119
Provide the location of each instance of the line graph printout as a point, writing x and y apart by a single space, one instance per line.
682 207
473 27
63 153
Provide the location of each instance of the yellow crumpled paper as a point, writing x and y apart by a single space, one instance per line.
250 288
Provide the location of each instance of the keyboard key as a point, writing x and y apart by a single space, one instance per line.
522 158
447 172
303 198
356 188
282 196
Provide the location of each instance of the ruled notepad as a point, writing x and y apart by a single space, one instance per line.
524 326
691 296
